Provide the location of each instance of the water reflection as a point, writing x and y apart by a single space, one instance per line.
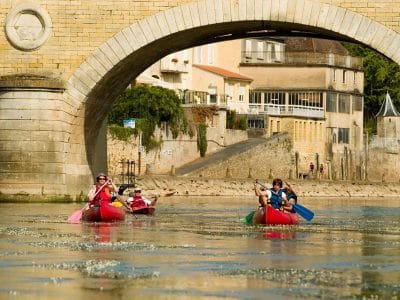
199 248
101 232
276 234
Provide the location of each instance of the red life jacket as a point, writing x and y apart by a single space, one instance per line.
103 195
138 202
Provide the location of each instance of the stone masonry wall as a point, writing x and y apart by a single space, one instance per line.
173 153
79 27
272 159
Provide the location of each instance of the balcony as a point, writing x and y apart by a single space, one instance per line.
300 58
173 65
289 110
203 98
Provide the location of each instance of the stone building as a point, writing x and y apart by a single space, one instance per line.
312 89
388 120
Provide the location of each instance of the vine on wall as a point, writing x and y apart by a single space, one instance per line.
202 139
203 112
150 106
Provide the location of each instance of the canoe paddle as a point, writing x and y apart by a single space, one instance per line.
77 215
249 218
300 209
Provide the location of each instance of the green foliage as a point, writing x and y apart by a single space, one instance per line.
121 133
381 75
235 122
202 139
150 106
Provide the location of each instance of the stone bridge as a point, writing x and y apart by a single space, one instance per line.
63 63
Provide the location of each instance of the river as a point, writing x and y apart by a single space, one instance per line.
198 248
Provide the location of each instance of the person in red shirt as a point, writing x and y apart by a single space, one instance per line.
136 200
102 190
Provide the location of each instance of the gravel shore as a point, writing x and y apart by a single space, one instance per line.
198 186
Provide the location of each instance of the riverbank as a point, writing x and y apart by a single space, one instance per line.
201 186
198 186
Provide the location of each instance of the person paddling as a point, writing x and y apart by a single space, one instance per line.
274 197
104 191
136 200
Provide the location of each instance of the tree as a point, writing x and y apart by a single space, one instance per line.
151 106
381 75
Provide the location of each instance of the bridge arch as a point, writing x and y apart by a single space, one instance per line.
79 107
111 67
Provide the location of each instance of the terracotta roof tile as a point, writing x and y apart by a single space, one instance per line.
223 72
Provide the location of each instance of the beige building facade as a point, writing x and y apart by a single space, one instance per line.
313 89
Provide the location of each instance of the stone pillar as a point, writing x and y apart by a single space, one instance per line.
35 132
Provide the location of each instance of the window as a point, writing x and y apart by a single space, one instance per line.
255 123
210 54
311 99
343 135
241 93
212 92
268 53
260 50
278 52
229 91
344 76
344 103
274 98
357 103
198 55
273 52
247 48
331 102
255 98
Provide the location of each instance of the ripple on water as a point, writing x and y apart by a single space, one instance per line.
105 269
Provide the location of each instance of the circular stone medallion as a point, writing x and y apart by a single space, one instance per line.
28 26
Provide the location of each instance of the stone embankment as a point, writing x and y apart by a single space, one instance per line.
200 186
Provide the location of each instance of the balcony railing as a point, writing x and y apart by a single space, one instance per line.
203 98
301 58
290 110
173 66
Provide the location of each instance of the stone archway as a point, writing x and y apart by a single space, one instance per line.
51 121
111 67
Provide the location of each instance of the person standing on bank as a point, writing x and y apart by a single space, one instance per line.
321 171
311 168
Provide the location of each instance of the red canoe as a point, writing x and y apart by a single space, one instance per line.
104 213
145 210
276 217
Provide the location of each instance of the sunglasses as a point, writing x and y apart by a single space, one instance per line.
102 178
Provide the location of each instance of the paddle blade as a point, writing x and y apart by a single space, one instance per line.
75 217
249 218
304 212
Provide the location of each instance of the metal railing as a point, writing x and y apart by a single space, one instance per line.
283 110
203 98
301 58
